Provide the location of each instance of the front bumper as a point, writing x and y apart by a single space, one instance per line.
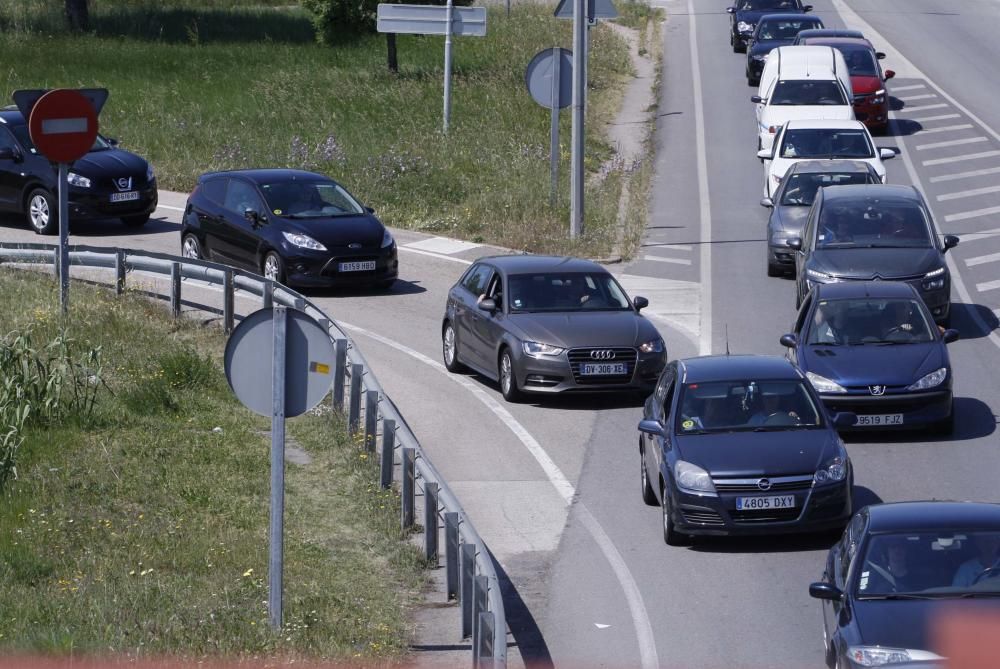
781 254
321 269
754 68
88 204
562 373
918 408
874 116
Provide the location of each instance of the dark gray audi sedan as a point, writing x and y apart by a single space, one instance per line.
544 324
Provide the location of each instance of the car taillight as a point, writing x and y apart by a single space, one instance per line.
773 129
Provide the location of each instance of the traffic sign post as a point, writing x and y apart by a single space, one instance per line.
548 78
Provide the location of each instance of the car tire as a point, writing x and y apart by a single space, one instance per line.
273 267
648 496
191 247
449 349
507 377
41 212
135 221
671 536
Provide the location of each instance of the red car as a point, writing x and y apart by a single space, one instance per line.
871 103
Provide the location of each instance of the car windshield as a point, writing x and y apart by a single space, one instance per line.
868 321
561 291
860 60
872 224
24 137
931 565
753 5
746 405
807 92
309 199
800 188
826 143
784 29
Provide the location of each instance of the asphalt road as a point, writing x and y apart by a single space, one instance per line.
600 587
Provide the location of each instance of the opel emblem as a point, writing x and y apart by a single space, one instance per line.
876 390
604 354
124 183
354 245
764 484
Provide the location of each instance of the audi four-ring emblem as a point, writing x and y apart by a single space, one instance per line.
603 354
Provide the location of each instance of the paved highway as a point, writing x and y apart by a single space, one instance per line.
600 587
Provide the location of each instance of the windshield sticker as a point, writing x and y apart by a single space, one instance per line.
863 585
688 424
517 304
277 212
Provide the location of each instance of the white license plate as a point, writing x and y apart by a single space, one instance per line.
361 266
879 420
603 369
125 197
765 503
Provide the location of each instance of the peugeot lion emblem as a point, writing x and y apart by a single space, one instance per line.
604 354
764 484
877 390
124 183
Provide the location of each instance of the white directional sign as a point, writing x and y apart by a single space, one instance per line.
431 20
596 9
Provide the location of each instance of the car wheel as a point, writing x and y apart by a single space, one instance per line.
191 247
648 496
274 267
449 349
135 221
508 379
671 536
42 214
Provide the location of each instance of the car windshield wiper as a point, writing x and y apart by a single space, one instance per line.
896 596
973 595
825 343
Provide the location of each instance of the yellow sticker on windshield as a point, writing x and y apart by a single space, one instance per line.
277 212
688 424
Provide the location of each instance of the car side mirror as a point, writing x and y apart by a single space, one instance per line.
730 10
950 242
886 153
764 154
825 591
370 210
8 153
888 74
844 419
640 302
253 216
807 8
795 243
487 304
766 202
757 99
879 55
789 340
949 336
653 427
113 141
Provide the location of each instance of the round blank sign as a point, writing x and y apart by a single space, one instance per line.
309 362
538 78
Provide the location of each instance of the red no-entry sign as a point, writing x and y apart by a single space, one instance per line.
63 125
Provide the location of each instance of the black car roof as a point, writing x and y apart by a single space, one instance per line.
515 264
734 367
786 16
12 116
839 166
933 515
870 191
830 32
876 289
269 175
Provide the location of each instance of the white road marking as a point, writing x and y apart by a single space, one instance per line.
968 193
705 256
981 260
444 245
942 117
675 247
676 261
965 215
988 285
167 206
965 175
924 108
951 142
908 87
960 159
910 98
601 626
630 588
439 256
944 128
978 236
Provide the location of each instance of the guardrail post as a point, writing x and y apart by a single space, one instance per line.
267 295
175 289
119 272
483 654
339 372
354 411
388 450
431 522
409 480
371 420
299 304
228 298
480 589
55 262
325 324
451 554
468 576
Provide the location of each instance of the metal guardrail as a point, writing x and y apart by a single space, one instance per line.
470 573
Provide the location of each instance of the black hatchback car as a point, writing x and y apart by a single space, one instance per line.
772 31
871 348
898 571
294 227
745 14
874 232
740 445
108 182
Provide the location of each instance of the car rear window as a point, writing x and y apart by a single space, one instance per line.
801 189
808 92
826 143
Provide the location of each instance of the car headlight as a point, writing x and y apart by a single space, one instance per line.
537 350
652 346
819 277
932 380
387 239
303 241
934 280
759 56
744 27
876 656
823 384
832 471
150 174
74 179
692 477
878 97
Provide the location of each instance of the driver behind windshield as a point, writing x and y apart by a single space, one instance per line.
981 565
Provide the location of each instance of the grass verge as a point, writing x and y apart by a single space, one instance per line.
140 529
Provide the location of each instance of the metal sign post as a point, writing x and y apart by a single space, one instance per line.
554 128
548 80
63 213
579 82
276 535
447 65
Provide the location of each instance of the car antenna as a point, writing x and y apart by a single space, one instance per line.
727 338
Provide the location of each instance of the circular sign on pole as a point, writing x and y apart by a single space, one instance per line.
63 125
309 362
538 78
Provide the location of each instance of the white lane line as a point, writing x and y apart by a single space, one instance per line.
966 215
982 260
911 98
952 142
942 117
968 193
961 159
431 254
944 128
705 212
675 261
908 87
988 285
924 108
675 247
978 236
965 175
633 596
167 206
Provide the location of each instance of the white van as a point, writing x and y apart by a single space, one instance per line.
802 82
